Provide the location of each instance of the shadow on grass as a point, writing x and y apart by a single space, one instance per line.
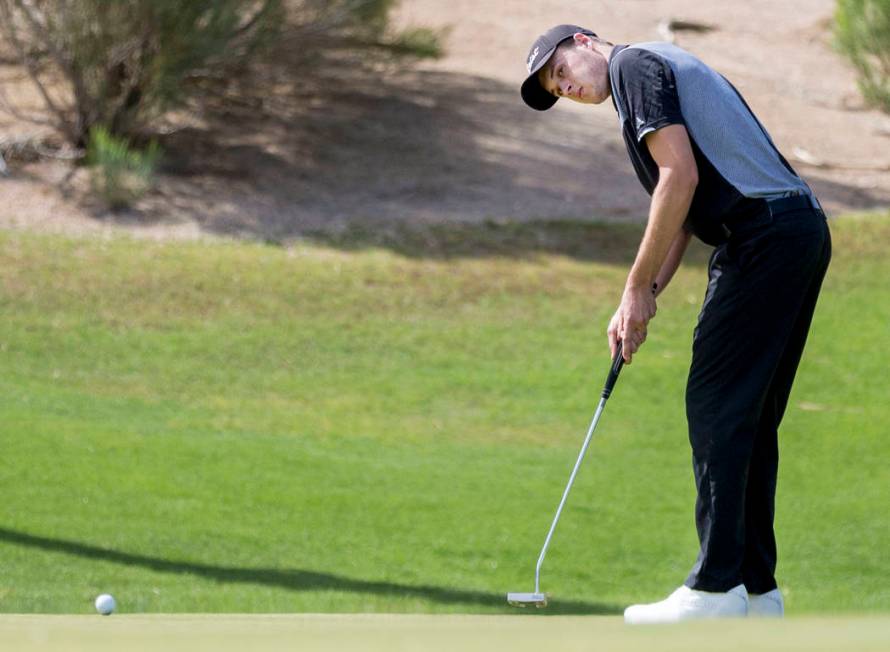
356 146
604 242
298 580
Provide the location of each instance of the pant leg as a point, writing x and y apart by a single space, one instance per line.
759 565
757 288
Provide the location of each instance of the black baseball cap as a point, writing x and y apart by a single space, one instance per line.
539 54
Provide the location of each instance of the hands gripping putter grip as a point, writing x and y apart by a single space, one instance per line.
537 598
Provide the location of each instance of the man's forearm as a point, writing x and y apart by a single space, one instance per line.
670 204
672 262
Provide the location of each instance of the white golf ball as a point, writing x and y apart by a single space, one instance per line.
105 604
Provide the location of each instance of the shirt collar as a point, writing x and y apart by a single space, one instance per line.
615 51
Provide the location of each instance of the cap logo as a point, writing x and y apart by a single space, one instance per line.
532 57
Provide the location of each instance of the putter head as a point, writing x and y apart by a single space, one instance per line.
526 599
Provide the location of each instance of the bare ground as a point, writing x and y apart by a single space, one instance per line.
451 141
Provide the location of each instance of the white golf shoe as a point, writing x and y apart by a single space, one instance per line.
690 604
766 605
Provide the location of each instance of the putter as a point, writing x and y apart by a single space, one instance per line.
537 598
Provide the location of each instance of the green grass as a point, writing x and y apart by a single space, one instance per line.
369 633
386 424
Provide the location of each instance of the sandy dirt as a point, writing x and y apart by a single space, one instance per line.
450 140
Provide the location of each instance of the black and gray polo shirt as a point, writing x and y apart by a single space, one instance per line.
658 84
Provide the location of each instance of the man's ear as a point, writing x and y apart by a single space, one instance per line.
583 40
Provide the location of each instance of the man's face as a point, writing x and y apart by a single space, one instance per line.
577 71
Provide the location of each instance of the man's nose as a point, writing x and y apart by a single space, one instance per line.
565 87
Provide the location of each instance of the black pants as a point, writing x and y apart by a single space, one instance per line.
762 290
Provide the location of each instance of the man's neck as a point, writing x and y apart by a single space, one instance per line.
604 49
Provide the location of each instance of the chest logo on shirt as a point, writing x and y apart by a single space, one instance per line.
532 57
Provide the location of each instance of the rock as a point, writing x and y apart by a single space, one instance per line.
668 28
804 156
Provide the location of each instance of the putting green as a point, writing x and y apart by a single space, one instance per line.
222 632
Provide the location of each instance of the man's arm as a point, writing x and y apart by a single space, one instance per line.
672 262
677 179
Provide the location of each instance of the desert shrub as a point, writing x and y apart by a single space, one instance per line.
360 27
121 63
862 31
365 19
120 173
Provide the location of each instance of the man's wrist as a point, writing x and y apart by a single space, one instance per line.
637 285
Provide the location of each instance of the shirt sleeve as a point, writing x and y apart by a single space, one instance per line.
648 91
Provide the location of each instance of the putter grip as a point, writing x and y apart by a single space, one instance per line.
617 363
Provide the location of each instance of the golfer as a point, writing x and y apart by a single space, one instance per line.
713 172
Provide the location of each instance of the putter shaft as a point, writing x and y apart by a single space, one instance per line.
537 597
565 494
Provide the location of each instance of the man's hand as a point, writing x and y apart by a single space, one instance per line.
631 320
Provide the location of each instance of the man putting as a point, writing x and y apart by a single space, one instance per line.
713 172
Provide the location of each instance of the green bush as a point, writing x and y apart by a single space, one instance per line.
360 26
122 63
421 42
862 31
121 174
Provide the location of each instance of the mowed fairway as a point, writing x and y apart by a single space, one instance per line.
197 633
386 425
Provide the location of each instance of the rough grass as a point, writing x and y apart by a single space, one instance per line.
386 424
